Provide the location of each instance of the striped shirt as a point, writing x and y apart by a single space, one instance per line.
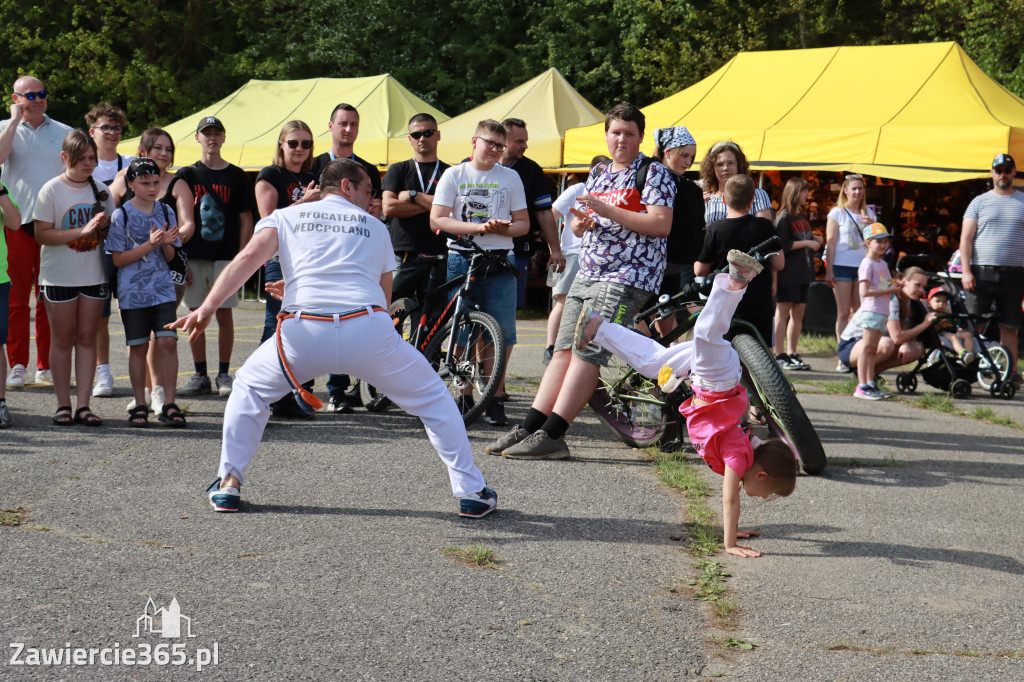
715 210
1000 236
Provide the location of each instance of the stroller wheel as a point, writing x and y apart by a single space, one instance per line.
906 382
1007 390
960 389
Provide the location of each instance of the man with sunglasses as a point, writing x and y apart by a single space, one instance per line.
992 253
485 200
344 129
30 145
408 194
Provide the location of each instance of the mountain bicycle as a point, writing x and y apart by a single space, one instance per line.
463 344
640 415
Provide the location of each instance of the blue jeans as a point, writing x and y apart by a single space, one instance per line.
496 295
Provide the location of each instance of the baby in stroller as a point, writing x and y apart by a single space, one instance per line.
946 366
952 334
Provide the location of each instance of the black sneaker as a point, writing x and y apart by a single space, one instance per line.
495 413
340 404
287 408
796 363
784 361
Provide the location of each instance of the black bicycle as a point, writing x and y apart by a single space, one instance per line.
463 344
640 415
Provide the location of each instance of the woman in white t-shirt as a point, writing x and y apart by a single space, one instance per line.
844 249
71 219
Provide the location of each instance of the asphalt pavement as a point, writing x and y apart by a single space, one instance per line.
901 562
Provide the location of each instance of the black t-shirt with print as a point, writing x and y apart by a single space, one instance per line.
799 268
414 233
218 232
535 185
290 186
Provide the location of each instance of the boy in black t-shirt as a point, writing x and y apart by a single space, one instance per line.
223 210
742 231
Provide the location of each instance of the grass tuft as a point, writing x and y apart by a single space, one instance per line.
477 554
12 517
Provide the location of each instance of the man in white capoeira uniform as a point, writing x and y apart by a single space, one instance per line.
337 262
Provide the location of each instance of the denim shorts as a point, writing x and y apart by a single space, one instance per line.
875 321
496 294
845 273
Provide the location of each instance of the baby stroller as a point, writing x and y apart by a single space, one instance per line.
941 367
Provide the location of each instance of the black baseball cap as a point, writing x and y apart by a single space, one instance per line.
209 122
141 166
1003 160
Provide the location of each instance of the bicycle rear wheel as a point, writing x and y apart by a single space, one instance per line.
478 344
786 417
630 404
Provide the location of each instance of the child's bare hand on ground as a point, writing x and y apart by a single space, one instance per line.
747 534
741 551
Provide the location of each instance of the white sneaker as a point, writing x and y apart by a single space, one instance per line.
156 399
224 382
104 386
16 377
44 376
149 399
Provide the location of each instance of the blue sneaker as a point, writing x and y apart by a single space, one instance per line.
478 505
224 499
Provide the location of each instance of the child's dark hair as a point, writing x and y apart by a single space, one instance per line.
777 460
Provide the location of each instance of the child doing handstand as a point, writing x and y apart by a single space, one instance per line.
719 404
960 340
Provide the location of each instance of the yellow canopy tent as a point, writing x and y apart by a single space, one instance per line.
254 114
548 105
922 113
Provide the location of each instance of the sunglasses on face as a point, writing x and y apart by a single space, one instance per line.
294 144
32 95
423 133
1003 170
108 129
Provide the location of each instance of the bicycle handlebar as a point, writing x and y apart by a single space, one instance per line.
465 242
692 291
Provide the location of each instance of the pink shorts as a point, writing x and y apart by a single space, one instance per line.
715 429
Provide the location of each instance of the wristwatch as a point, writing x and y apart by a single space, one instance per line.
412 194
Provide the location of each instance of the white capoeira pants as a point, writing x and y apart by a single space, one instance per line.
367 347
709 357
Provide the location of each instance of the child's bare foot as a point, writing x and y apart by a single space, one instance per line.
587 325
743 267
745 552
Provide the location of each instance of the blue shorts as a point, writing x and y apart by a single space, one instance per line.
496 294
845 346
845 273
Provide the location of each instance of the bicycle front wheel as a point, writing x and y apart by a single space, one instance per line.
630 404
474 366
998 370
785 414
